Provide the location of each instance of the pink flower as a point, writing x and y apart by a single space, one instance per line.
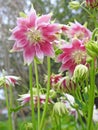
69 102
25 98
9 80
34 36
72 55
54 79
92 3
60 82
76 30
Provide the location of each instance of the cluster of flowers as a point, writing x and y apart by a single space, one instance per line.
36 36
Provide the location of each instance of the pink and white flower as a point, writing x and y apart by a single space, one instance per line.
34 36
69 102
11 80
25 98
76 30
72 55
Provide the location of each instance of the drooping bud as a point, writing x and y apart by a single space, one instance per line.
74 5
59 108
52 94
92 3
28 126
80 73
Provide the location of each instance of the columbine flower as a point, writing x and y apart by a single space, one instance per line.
76 30
72 55
34 36
69 102
54 79
25 98
9 80
92 3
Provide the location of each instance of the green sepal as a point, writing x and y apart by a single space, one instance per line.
91 53
22 14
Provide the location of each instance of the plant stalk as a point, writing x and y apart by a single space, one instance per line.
31 97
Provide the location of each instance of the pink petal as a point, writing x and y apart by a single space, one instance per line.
47 49
60 57
16 48
19 33
44 19
67 65
22 22
50 29
28 54
32 18
39 52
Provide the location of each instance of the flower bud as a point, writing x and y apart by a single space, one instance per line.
52 93
74 5
28 126
92 3
92 48
59 108
80 73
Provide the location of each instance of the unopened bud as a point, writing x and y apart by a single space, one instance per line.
52 94
28 126
80 73
92 49
74 5
59 108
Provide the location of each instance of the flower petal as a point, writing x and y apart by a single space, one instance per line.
44 18
47 49
39 52
28 54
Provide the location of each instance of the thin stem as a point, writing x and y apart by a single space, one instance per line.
86 10
8 107
11 105
59 123
47 96
31 95
11 96
91 95
38 91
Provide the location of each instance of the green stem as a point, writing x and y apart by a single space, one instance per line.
8 107
11 96
38 93
31 96
91 94
59 123
11 105
86 10
47 96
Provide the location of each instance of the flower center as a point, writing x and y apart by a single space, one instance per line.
80 35
78 56
34 36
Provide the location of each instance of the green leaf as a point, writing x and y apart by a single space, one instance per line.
16 109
